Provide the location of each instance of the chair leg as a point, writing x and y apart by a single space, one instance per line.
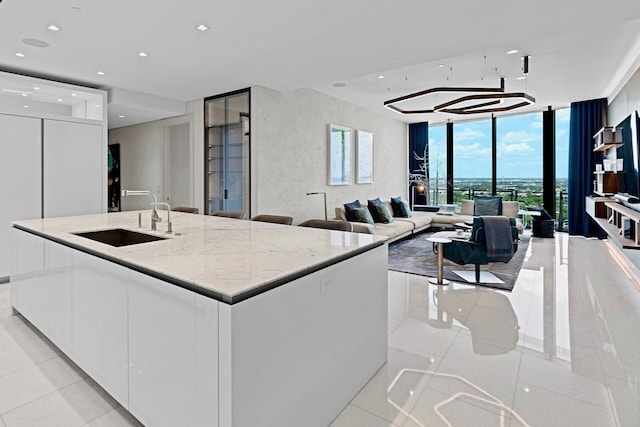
477 273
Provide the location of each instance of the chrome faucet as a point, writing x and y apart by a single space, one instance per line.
169 230
155 218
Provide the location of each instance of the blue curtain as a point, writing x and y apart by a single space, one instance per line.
587 117
418 141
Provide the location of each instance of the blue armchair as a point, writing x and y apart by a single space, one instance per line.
488 243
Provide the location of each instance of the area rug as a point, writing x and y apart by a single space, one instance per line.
415 255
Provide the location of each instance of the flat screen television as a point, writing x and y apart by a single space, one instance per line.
627 133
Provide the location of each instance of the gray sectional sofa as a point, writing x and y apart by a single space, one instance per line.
421 221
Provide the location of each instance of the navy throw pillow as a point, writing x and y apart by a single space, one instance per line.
396 206
400 208
362 214
348 209
373 208
384 216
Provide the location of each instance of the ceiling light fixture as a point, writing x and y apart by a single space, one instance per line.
59 99
440 65
202 27
53 28
73 94
20 55
512 51
36 88
25 106
143 54
24 94
381 76
520 78
100 73
121 116
479 99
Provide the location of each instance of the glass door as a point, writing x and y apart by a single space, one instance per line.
228 140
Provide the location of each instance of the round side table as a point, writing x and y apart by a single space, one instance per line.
440 241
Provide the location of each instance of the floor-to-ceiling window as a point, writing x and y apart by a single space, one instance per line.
562 166
519 158
472 166
437 165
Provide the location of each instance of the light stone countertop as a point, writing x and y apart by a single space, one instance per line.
227 259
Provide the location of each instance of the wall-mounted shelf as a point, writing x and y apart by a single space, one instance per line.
605 146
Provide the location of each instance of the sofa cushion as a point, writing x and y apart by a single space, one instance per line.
487 205
419 219
348 209
395 229
362 214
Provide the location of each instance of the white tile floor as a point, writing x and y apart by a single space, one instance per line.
562 349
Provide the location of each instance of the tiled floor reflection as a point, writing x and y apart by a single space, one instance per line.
562 349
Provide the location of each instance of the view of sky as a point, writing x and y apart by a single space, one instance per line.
519 150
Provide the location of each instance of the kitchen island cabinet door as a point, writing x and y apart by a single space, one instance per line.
173 364
100 322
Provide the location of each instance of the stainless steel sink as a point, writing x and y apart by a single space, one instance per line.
119 237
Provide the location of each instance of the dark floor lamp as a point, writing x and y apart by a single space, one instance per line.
324 195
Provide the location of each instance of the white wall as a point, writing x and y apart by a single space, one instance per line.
142 158
289 152
627 101
140 161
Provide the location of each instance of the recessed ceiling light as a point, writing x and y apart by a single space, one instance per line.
59 99
512 51
143 54
202 27
24 94
381 76
121 116
520 78
440 65
100 73
35 42
53 28
339 84
36 88
25 106
73 94
20 55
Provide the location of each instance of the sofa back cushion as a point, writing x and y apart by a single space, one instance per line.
466 207
510 209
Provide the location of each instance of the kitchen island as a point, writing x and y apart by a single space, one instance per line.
223 323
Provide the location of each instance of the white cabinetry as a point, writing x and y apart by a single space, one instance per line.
41 286
74 168
20 177
100 322
168 325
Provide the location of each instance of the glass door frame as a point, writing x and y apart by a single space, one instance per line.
247 172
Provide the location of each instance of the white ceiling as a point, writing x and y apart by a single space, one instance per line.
580 49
